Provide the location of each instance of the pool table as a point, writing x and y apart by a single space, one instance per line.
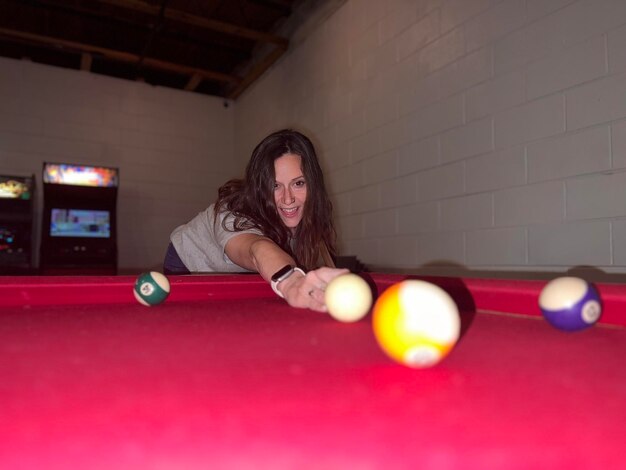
225 374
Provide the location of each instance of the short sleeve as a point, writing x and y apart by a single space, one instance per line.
224 229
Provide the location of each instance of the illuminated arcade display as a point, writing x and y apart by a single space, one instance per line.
7 239
80 223
79 175
16 187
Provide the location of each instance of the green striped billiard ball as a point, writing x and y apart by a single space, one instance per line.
151 288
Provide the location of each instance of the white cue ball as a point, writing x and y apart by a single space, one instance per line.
348 298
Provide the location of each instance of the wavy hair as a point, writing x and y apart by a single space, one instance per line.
251 200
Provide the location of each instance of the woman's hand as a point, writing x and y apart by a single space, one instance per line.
308 291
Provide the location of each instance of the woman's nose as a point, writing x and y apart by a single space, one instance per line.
288 196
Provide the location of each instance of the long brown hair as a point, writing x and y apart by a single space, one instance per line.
251 199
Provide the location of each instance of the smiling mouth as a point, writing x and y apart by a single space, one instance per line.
289 212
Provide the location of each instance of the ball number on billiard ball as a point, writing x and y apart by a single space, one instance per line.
151 288
416 323
348 298
570 303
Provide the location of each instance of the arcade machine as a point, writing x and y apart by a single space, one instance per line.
16 224
78 233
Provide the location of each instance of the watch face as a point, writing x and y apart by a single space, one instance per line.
281 273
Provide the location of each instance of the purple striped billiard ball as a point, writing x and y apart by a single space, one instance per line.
570 304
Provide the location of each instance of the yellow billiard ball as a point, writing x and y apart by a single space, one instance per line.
416 323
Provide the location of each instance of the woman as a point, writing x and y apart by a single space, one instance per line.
277 218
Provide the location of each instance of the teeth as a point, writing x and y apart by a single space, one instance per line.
293 209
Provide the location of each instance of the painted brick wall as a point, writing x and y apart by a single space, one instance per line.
173 148
487 134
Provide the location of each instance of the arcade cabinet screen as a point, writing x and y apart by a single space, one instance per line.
9 239
80 223
16 187
78 175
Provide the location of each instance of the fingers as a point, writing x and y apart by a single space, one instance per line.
325 275
317 301
309 291
317 307
315 284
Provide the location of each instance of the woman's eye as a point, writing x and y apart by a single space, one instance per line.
300 183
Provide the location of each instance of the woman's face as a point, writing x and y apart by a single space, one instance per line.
289 189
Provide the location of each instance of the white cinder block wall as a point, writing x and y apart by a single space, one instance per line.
173 148
486 134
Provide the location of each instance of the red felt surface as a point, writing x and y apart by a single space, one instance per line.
249 382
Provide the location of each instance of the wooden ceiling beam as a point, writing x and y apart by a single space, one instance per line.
91 13
85 61
256 71
193 82
283 6
202 22
120 56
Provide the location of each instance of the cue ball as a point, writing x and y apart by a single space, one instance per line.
416 323
348 298
570 304
151 288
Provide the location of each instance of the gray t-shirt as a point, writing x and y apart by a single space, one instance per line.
200 243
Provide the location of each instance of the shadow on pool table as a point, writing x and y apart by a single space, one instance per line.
455 287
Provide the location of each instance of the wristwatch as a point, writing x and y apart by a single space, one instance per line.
282 274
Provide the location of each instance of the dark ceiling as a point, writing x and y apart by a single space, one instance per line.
214 47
